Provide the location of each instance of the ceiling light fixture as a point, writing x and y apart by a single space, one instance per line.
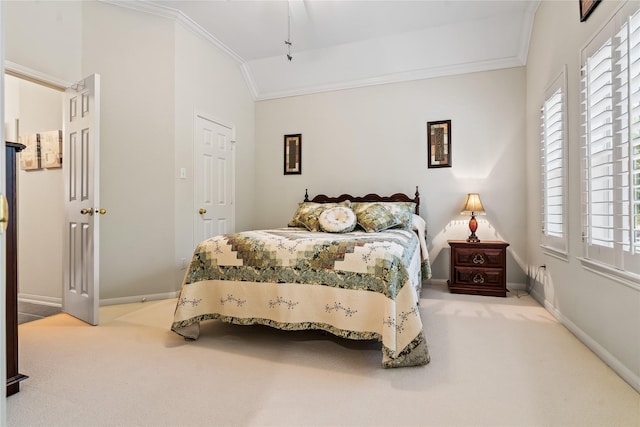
288 40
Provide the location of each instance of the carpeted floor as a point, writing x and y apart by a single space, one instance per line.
495 362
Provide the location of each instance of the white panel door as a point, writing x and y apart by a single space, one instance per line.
213 179
81 170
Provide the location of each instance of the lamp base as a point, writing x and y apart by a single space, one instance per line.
473 226
473 238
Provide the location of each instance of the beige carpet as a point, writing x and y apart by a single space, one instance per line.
495 362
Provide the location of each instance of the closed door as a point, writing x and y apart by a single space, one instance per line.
214 178
81 148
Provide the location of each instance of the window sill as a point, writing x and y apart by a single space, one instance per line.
628 279
556 253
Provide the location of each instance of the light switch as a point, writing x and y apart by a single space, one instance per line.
183 173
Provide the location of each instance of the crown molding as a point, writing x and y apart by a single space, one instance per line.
527 28
191 25
178 16
425 73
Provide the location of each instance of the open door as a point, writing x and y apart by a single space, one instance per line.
81 170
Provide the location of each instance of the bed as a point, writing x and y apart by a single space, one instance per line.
350 266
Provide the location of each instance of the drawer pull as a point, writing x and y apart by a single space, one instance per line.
478 278
478 259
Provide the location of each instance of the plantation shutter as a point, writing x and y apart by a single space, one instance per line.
611 145
598 156
627 43
552 160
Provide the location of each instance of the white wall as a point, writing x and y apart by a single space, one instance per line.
45 36
40 195
147 101
133 53
603 313
209 82
374 140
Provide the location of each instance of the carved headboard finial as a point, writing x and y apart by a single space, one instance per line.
306 195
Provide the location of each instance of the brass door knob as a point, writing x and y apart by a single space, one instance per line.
101 211
86 212
202 211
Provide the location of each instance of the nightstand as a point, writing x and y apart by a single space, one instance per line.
478 268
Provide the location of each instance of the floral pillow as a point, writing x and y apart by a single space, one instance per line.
403 211
308 214
340 219
376 217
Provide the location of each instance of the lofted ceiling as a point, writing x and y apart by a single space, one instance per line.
343 44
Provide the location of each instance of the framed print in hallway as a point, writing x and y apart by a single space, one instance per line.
293 154
439 144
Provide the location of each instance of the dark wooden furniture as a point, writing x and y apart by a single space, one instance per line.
398 197
13 376
478 268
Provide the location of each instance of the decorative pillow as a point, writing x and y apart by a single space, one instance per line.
376 217
308 214
338 220
403 211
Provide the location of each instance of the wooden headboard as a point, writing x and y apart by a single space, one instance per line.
398 197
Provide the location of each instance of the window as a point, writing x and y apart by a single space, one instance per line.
611 144
553 161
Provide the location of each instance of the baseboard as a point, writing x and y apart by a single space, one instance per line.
38 299
139 298
57 302
537 292
439 282
631 378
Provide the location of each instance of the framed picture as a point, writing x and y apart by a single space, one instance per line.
293 154
439 144
30 156
51 149
586 7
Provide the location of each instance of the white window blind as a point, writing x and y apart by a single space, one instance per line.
553 162
611 144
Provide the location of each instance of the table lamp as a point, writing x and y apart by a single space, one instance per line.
473 206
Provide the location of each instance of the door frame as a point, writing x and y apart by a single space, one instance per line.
3 258
209 117
25 73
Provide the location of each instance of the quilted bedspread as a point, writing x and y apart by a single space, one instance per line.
355 285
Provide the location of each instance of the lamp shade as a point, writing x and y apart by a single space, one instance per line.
472 205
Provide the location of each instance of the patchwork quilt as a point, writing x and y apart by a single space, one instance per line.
355 285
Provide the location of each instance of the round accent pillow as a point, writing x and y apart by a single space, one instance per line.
337 220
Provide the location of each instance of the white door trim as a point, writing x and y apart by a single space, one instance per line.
35 75
198 113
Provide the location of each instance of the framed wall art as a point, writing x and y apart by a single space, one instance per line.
293 154
30 156
43 150
51 149
586 7
439 144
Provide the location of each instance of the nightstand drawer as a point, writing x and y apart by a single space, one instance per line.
481 257
478 276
